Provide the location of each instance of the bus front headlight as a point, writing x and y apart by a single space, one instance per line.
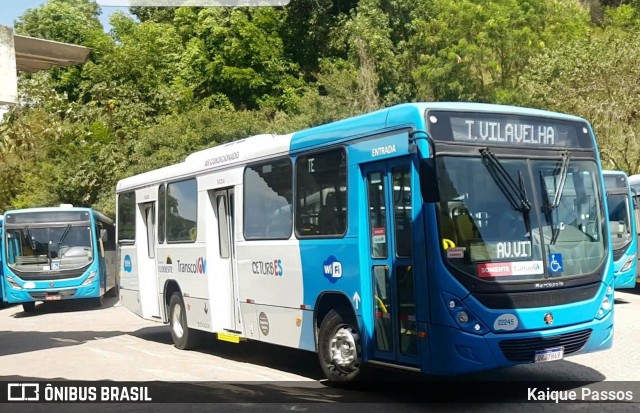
607 303
13 283
629 262
463 316
90 278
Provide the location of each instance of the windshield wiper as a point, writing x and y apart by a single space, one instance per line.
564 171
32 241
64 234
515 193
545 193
525 213
551 205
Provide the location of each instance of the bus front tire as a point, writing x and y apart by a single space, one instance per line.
29 307
184 338
340 348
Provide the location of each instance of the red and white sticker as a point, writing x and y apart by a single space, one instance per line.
499 269
453 253
379 235
495 269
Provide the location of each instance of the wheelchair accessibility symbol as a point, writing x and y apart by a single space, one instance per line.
555 264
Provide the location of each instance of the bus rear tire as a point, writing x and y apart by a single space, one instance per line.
340 348
29 307
184 338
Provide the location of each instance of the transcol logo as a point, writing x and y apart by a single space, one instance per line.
332 269
199 267
527 267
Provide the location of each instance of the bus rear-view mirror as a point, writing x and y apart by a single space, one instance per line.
104 236
429 181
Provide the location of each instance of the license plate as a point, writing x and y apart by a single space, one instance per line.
549 354
52 297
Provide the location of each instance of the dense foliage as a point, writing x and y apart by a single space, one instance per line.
167 81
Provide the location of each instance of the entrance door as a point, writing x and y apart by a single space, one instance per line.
147 261
636 217
389 215
225 213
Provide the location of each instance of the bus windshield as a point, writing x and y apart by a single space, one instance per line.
619 224
38 249
514 219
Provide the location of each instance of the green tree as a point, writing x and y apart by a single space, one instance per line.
237 56
477 49
596 78
177 80
307 31
69 21
156 14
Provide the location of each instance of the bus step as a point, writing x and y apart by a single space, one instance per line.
230 337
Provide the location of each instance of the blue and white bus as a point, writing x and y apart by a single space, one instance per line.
57 253
1 229
443 238
622 225
634 185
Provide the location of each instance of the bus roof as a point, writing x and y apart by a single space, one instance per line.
240 151
614 172
95 213
404 115
409 115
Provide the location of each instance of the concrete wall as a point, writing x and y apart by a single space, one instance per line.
8 74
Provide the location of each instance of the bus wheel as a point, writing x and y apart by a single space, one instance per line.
29 307
339 348
184 337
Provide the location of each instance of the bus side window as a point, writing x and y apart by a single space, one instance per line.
126 217
181 210
328 217
402 211
321 194
111 238
268 194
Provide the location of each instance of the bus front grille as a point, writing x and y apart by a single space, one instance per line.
43 295
524 349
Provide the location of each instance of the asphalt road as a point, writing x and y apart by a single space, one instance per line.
67 341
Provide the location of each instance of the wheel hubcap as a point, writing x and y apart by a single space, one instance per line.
176 321
344 352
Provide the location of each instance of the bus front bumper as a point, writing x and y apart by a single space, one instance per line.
457 352
24 295
626 279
